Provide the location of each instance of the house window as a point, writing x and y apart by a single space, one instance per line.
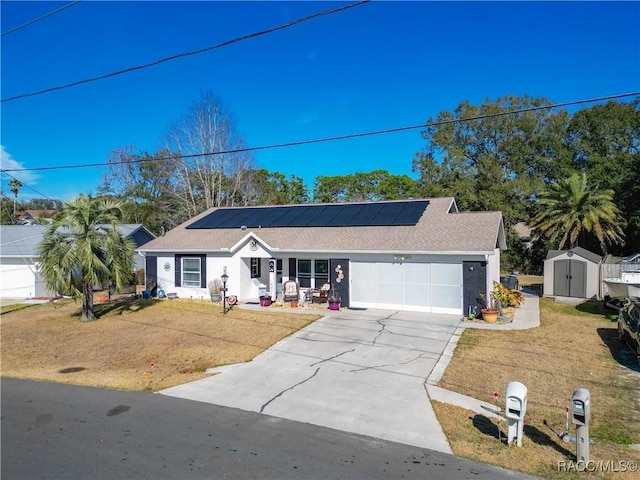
304 273
313 273
321 270
278 271
255 268
191 272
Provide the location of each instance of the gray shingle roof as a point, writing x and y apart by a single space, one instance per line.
581 252
437 231
21 240
24 240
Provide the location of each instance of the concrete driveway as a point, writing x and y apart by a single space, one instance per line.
356 371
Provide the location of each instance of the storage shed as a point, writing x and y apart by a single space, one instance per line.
572 273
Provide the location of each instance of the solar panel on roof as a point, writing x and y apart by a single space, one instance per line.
339 215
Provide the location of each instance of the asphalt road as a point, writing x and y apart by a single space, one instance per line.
54 431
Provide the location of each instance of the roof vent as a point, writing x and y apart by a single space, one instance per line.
243 227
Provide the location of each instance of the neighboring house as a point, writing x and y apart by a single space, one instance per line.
418 255
19 276
28 217
140 236
19 246
525 234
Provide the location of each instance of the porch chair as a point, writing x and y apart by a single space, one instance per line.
291 291
262 288
320 295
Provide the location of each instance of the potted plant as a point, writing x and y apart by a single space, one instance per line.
499 297
333 299
489 311
265 300
215 287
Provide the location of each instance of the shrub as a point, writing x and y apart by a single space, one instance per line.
506 296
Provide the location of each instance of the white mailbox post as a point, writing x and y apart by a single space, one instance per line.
516 409
580 416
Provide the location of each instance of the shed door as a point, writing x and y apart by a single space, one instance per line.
561 278
570 278
578 279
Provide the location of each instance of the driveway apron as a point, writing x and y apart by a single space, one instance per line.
356 371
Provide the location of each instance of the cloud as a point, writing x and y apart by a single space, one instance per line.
8 163
311 115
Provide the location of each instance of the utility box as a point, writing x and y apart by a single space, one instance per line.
580 416
516 409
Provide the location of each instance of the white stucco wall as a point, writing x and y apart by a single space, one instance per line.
241 284
493 269
237 268
547 279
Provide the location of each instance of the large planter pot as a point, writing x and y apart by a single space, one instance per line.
265 301
334 304
215 297
490 315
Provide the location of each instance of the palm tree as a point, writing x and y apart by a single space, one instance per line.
82 248
571 209
15 185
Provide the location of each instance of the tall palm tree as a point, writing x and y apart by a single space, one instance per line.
15 185
82 248
570 209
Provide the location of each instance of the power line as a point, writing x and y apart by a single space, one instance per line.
334 138
27 186
186 54
31 22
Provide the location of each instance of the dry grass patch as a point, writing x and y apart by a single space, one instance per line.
136 345
574 347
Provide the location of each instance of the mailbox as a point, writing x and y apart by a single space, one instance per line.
516 409
581 406
516 400
580 415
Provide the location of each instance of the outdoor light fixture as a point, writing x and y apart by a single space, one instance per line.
224 279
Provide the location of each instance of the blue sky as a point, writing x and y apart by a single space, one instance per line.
376 66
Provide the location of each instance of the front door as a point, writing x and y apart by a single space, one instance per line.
151 274
474 284
339 278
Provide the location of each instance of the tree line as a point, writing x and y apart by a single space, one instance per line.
573 177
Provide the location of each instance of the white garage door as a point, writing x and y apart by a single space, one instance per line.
422 287
16 280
